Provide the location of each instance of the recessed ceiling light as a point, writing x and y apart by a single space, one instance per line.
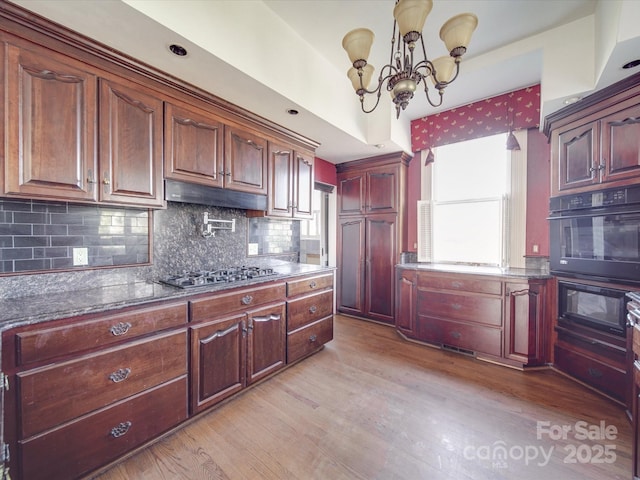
631 64
178 50
292 111
572 100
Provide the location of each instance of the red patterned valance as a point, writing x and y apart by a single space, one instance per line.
478 119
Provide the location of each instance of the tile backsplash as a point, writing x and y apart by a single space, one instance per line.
38 235
38 238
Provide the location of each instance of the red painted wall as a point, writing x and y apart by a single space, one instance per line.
538 188
325 172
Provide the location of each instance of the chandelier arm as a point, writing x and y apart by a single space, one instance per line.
375 105
440 91
381 80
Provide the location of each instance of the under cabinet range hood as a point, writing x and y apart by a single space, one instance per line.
217 197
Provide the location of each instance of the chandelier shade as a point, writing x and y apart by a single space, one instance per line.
456 33
410 15
405 72
358 43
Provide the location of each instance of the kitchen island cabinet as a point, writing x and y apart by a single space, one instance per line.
494 317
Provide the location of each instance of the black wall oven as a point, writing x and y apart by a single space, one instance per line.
596 235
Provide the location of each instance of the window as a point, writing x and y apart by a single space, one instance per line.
465 213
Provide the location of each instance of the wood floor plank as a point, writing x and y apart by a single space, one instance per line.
373 406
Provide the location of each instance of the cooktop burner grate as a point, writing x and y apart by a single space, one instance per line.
199 278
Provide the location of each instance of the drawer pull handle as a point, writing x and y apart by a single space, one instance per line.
220 333
247 299
313 284
121 429
120 375
456 306
595 373
120 329
313 338
455 334
313 309
456 284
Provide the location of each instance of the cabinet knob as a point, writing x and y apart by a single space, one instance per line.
106 181
594 372
313 338
120 375
313 284
120 429
455 334
313 309
247 299
120 329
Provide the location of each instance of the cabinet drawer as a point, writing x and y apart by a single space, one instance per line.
55 394
309 284
469 337
83 445
471 308
305 310
223 303
463 284
608 379
307 340
52 342
590 347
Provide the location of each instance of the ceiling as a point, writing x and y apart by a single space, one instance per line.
272 55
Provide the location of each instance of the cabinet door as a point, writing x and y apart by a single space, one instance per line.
406 302
524 318
266 341
130 145
280 199
217 361
51 138
245 156
382 190
380 262
303 185
350 275
621 145
193 141
351 194
577 153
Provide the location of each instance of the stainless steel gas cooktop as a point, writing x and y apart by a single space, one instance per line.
200 278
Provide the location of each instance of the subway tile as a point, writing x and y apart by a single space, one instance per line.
67 241
6 241
16 206
31 241
12 229
26 265
25 217
6 267
65 218
61 262
56 230
16 253
49 207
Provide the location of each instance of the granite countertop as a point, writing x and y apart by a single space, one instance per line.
477 270
40 308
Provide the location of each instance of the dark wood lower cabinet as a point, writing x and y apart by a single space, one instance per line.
495 318
80 446
86 390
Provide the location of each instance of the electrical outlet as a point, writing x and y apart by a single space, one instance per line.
80 256
253 249
535 248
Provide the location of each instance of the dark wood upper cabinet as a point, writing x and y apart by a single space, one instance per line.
303 180
290 192
50 128
131 122
193 145
351 193
621 144
595 143
374 190
245 155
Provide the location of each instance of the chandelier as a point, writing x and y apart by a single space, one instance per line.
403 74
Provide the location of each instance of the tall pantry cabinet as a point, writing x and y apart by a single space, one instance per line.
371 233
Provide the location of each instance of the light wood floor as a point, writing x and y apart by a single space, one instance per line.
372 406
